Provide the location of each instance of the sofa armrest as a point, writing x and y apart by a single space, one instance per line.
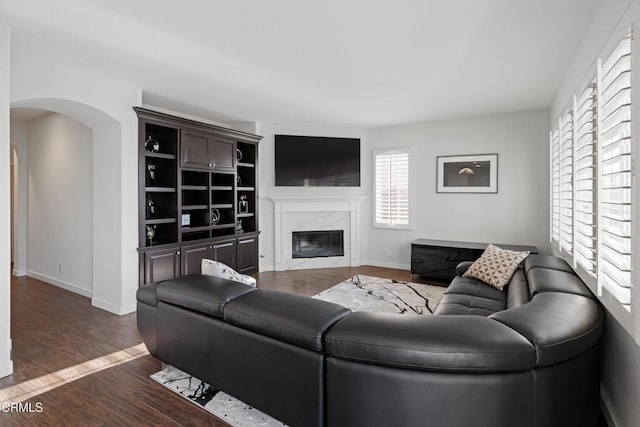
463 267
431 343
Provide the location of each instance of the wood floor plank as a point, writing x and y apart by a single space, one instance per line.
53 329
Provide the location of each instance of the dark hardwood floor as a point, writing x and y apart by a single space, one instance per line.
90 359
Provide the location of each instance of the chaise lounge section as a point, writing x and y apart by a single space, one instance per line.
524 356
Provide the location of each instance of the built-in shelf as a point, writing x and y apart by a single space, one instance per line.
245 215
246 188
194 207
194 229
160 221
222 206
246 165
195 187
161 156
221 188
219 226
160 189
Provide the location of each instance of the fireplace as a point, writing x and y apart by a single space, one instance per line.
317 244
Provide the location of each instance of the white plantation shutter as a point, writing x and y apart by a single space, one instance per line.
555 186
585 209
392 188
566 182
615 168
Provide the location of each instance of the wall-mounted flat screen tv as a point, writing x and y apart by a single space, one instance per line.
312 161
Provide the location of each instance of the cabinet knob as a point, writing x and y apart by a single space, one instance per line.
210 165
178 253
213 165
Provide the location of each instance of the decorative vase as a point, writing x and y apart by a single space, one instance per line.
151 145
243 205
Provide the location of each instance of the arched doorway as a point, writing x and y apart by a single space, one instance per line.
107 206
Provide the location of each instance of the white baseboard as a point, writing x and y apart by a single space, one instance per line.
607 406
385 264
6 369
19 273
264 268
59 283
112 308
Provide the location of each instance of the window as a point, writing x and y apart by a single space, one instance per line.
391 192
591 178
585 178
615 167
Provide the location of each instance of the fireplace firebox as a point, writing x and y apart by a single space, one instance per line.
316 244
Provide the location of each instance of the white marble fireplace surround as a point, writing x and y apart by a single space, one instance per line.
317 213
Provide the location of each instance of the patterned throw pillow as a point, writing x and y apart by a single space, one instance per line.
496 266
215 268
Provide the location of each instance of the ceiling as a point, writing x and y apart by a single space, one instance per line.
333 62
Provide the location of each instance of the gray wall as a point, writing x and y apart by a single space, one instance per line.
516 214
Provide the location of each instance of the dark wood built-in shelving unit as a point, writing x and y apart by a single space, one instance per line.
198 193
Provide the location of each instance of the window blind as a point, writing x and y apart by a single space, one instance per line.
555 186
392 188
566 182
585 209
615 168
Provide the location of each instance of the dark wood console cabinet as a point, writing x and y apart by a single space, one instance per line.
198 196
437 259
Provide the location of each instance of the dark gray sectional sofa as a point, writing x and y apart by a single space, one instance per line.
525 356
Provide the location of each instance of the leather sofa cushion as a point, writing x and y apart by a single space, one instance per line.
463 267
560 325
148 294
546 261
551 280
518 290
440 343
471 296
204 294
290 318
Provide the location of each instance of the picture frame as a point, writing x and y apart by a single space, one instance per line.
471 173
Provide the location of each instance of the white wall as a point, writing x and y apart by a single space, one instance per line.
620 375
267 178
515 215
19 140
60 235
104 104
6 365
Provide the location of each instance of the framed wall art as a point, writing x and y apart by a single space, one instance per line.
474 173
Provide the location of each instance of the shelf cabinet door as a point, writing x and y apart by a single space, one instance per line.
248 255
225 252
222 153
163 264
430 262
194 150
192 256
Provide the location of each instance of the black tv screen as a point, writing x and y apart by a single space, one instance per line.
312 161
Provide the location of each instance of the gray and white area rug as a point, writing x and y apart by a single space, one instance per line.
359 293
367 293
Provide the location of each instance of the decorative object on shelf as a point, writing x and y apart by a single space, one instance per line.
151 145
476 173
151 170
152 212
186 220
238 154
238 181
215 216
243 205
239 228
151 233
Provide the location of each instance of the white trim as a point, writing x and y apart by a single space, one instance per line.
112 308
60 284
19 273
6 369
385 264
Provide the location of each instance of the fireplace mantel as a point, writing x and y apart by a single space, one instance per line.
309 213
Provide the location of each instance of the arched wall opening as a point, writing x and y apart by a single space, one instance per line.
108 285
